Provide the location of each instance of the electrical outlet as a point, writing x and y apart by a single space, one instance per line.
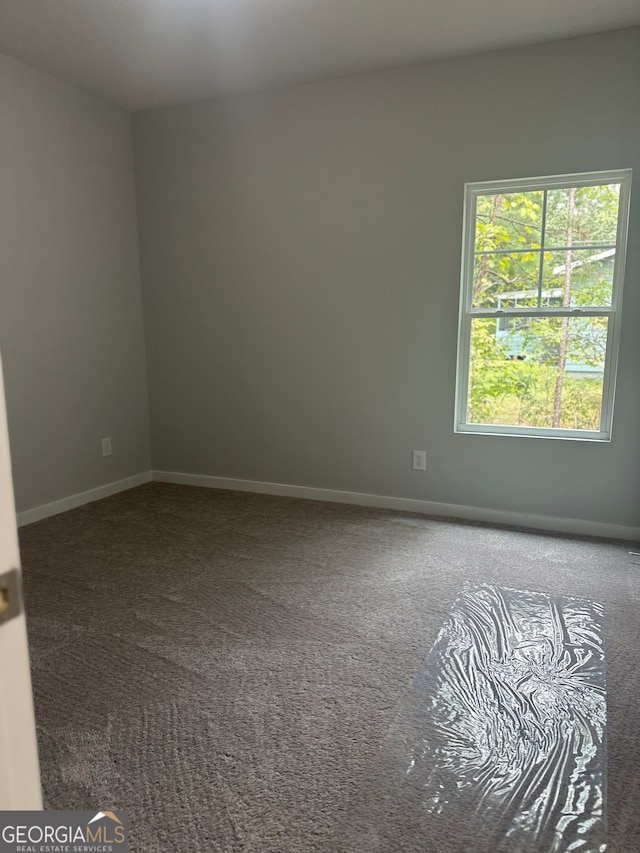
106 447
420 460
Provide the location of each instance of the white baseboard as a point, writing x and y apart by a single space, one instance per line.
576 526
73 501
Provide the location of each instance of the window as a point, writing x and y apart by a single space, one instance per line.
542 273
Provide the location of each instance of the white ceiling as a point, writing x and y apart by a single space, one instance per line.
149 53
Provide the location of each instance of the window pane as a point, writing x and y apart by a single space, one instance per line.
578 277
537 372
506 280
581 216
508 221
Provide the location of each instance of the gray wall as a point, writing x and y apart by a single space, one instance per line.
71 328
301 260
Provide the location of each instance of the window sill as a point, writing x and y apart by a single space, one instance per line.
524 432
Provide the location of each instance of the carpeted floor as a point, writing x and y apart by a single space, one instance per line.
225 666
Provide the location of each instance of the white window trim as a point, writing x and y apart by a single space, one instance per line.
471 192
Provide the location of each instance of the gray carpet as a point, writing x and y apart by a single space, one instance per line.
225 666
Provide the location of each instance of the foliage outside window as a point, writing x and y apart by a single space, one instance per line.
542 273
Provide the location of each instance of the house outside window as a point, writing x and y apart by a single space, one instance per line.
541 293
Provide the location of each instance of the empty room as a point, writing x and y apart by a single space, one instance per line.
320 440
